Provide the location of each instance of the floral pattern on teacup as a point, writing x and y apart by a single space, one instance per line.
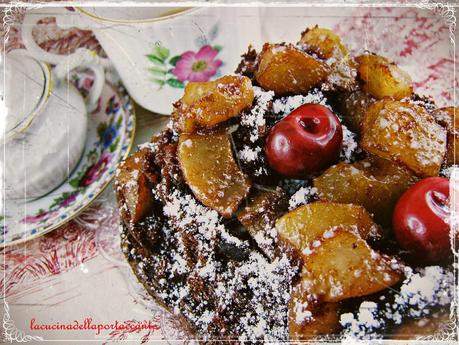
188 66
200 66
197 65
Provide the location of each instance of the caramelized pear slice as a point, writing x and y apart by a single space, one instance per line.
344 266
307 320
323 42
207 104
134 179
308 223
383 78
449 119
211 172
404 133
327 45
285 69
374 183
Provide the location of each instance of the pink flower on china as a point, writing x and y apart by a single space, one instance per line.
95 171
69 199
40 216
198 66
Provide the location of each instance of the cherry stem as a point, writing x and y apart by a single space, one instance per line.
439 198
310 124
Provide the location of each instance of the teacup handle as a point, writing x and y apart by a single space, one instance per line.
81 58
86 59
30 21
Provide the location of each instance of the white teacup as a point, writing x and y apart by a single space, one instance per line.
45 122
157 50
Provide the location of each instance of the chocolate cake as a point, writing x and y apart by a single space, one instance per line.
241 250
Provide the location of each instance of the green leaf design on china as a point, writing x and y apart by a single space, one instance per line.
157 71
162 52
173 61
118 122
160 82
159 55
101 128
114 145
175 83
74 182
156 60
57 201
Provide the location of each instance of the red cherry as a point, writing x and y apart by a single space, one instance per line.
421 220
306 141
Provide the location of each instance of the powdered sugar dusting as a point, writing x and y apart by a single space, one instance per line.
263 285
349 148
448 171
248 154
285 105
420 291
302 196
255 119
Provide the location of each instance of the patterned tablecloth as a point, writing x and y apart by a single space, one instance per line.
77 274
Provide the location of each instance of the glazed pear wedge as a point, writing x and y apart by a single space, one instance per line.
306 321
344 266
309 222
337 261
211 171
375 183
286 69
327 45
133 181
208 104
383 78
406 134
